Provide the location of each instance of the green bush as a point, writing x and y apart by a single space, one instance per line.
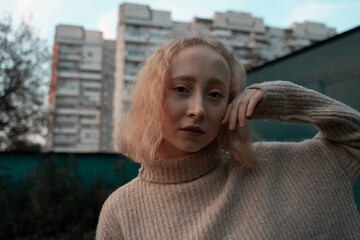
50 202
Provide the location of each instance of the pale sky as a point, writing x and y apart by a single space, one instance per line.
101 15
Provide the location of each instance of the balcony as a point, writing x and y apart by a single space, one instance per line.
90 117
238 43
65 130
71 57
138 57
63 148
96 75
138 38
65 119
260 37
86 84
262 45
251 44
87 147
66 106
91 65
129 78
156 40
298 42
66 102
68 74
130 73
67 91
221 33
64 139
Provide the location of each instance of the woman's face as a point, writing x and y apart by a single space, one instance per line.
196 101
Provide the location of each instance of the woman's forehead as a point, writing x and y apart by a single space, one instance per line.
200 60
192 51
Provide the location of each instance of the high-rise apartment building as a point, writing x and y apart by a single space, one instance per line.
81 91
91 77
141 29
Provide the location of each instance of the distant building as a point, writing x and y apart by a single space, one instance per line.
91 77
140 30
81 91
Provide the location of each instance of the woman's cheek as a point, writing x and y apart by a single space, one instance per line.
222 111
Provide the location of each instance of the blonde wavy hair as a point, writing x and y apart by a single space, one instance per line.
140 132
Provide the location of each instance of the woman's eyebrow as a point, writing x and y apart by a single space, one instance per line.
216 81
183 78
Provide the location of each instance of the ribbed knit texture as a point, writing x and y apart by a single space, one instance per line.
298 191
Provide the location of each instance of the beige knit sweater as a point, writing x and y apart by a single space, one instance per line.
301 191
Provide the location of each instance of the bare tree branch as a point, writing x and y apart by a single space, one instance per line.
24 75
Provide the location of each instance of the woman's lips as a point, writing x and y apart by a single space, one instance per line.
193 131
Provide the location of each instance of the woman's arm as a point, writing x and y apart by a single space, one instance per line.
338 124
108 226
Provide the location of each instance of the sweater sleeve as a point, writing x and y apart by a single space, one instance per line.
108 227
338 124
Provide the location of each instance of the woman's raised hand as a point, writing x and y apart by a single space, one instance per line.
242 107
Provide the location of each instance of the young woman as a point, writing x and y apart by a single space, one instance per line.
202 178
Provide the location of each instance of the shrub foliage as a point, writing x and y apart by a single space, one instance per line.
50 202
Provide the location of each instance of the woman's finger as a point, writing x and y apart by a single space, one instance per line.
242 111
233 115
227 114
238 111
244 106
254 100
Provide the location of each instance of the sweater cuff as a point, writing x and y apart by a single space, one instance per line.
274 100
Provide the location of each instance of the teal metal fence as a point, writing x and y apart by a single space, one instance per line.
108 167
90 166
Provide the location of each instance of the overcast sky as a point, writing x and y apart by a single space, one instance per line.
102 14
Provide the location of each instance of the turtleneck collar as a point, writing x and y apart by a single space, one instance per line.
179 170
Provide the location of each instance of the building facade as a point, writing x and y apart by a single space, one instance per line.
81 91
91 77
140 30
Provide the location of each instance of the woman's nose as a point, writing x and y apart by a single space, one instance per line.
196 108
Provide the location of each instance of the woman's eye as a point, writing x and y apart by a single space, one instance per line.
216 95
181 89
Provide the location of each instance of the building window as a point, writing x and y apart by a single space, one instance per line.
92 135
87 117
91 89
